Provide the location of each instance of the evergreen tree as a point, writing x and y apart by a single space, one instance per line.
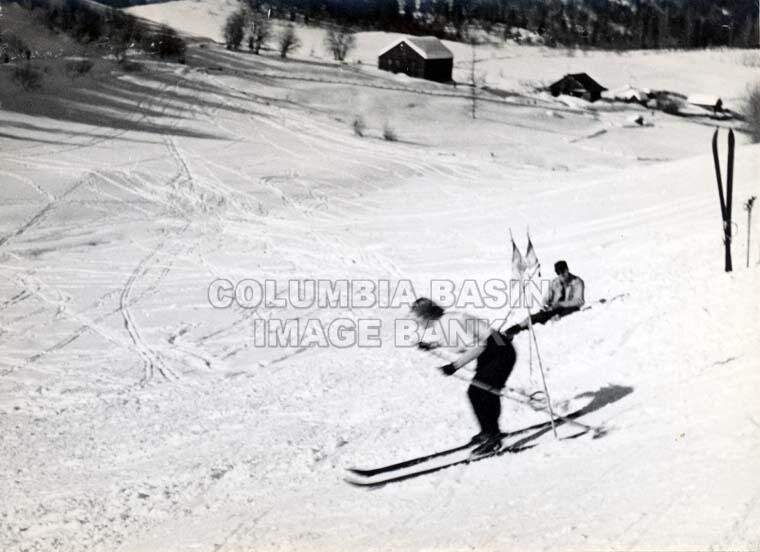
426 7
409 8
654 32
441 9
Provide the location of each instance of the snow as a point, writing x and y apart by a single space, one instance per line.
134 416
200 18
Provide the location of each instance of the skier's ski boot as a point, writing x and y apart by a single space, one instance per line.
490 445
479 438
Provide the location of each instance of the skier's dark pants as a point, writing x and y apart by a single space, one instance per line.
542 317
487 407
495 364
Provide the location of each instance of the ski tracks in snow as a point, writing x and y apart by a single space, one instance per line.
41 214
152 360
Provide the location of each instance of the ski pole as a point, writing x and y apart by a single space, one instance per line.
748 206
729 197
543 378
528 401
511 308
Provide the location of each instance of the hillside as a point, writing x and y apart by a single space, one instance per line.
723 72
15 20
136 416
610 24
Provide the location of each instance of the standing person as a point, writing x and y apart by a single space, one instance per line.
565 296
495 358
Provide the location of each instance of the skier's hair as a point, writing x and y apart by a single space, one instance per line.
427 309
560 267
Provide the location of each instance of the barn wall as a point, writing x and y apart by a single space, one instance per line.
403 59
572 87
441 70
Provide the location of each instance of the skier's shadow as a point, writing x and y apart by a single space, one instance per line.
600 398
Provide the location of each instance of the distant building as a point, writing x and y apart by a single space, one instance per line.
579 85
423 57
628 94
706 101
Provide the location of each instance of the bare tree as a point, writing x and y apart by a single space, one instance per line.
288 41
168 44
259 31
751 111
474 79
359 126
389 134
13 47
122 32
27 76
234 30
340 42
120 42
4 57
78 68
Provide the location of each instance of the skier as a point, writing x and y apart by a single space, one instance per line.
495 356
565 296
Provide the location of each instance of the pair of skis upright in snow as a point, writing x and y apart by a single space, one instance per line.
726 200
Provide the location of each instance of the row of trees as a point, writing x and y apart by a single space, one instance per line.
251 25
596 23
256 27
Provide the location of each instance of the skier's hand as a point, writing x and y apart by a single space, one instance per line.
448 369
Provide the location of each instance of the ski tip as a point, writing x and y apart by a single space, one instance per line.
476 457
357 471
364 484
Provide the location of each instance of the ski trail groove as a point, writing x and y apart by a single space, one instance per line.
152 360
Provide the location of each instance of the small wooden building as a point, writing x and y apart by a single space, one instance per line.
628 94
706 101
579 85
422 57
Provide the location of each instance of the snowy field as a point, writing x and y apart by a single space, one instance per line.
134 416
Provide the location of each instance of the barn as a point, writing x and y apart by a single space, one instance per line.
423 57
628 94
706 101
579 85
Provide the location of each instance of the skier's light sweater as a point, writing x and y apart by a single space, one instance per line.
458 337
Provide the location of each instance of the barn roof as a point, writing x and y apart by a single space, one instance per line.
704 99
628 92
583 80
429 47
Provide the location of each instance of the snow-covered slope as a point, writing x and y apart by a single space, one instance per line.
134 416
